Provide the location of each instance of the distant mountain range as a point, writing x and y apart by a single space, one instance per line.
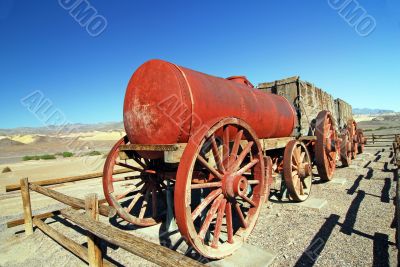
69 128
119 126
369 111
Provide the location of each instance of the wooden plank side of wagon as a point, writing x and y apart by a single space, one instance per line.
307 99
288 88
275 143
312 101
344 112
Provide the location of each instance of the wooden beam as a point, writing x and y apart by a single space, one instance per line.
145 147
275 143
26 203
71 201
147 250
383 141
64 241
377 135
308 138
17 222
14 187
94 243
77 249
45 215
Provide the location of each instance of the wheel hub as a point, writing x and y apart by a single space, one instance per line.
234 185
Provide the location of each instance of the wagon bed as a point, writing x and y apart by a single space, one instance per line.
308 100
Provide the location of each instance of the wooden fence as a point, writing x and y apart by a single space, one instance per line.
380 140
62 180
96 231
396 162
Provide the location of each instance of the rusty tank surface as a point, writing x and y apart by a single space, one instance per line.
166 104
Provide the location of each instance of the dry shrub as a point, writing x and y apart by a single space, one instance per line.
6 169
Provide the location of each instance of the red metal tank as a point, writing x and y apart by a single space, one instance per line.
166 104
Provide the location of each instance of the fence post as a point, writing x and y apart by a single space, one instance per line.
94 243
26 204
373 139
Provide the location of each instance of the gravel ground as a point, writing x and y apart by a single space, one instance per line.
352 229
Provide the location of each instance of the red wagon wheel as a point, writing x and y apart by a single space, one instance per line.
220 187
137 196
346 148
360 140
325 147
352 127
297 170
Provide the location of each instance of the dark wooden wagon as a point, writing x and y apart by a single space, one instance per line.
325 129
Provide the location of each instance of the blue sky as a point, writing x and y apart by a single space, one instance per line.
43 48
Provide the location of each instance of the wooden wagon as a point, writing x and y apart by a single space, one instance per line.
205 148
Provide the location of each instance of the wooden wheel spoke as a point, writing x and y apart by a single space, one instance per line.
138 161
117 179
154 201
136 198
295 156
302 156
240 214
303 183
294 167
247 167
147 161
225 148
301 189
298 154
210 215
144 205
130 190
121 164
330 160
248 200
216 154
297 183
124 178
207 166
241 157
205 203
218 223
253 182
206 185
229 223
236 145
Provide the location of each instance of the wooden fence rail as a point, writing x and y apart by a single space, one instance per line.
71 201
96 231
381 138
54 181
150 251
